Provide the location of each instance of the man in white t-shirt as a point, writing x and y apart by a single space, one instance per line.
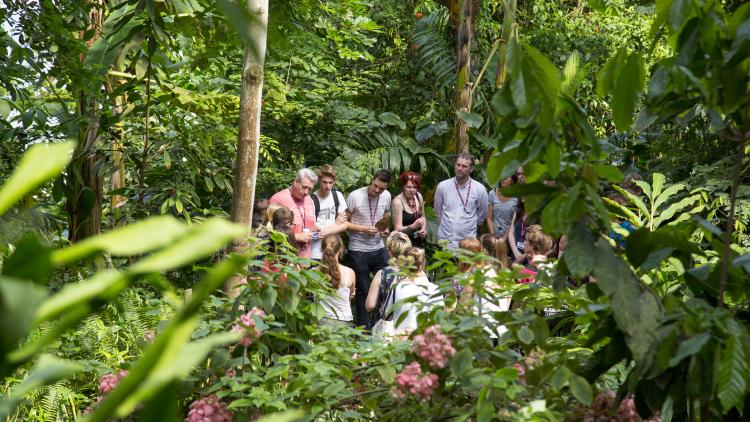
330 209
366 207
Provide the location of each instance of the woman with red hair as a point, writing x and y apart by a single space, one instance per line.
408 209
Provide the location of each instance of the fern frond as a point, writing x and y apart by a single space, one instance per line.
433 49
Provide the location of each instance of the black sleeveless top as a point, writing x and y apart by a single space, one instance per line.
407 219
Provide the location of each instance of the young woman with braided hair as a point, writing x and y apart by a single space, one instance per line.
337 307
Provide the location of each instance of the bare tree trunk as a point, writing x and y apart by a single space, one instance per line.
464 84
84 195
248 140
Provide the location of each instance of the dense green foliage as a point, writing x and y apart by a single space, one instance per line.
590 92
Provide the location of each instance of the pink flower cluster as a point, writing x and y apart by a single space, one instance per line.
246 324
434 347
208 409
411 380
521 372
108 382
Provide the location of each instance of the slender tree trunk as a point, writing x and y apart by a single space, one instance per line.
84 195
248 140
464 83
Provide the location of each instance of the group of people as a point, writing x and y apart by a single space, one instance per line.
382 228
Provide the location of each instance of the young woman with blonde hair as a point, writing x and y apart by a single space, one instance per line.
415 284
396 243
337 307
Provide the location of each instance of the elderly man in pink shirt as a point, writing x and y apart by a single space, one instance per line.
297 198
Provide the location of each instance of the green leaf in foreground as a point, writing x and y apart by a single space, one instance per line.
48 370
39 164
16 315
141 237
201 241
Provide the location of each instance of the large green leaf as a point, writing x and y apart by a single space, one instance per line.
102 286
637 311
392 119
733 371
175 364
141 237
472 120
607 77
19 300
627 91
580 389
580 254
39 164
201 241
169 342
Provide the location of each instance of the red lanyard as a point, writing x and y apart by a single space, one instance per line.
464 202
374 212
302 211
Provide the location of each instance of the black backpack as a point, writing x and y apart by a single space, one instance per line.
387 295
316 201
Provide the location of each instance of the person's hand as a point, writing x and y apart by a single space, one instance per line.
304 237
421 222
370 230
422 232
322 232
385 233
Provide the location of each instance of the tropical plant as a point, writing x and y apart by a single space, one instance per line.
662 208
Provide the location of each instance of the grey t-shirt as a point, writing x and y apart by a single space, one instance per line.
459 210
366 211
502 212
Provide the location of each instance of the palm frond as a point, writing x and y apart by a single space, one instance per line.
433 49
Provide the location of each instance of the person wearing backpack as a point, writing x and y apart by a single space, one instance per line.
330 210
396 244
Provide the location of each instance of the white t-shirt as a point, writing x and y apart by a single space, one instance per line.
426 294
326 217
485 309
367 211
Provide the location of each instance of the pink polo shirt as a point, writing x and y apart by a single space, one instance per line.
304 215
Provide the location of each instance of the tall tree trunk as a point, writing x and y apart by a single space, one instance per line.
248 140
464 83
84 196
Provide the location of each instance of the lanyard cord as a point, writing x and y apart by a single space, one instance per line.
374 212
465 202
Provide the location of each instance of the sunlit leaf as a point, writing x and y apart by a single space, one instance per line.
39 164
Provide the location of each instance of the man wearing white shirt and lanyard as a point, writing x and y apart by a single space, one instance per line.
367 252
460 203
330 209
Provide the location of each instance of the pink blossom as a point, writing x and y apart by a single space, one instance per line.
521 372
149 336
208 409
231 373
434 347
246 324
410 380
108 382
